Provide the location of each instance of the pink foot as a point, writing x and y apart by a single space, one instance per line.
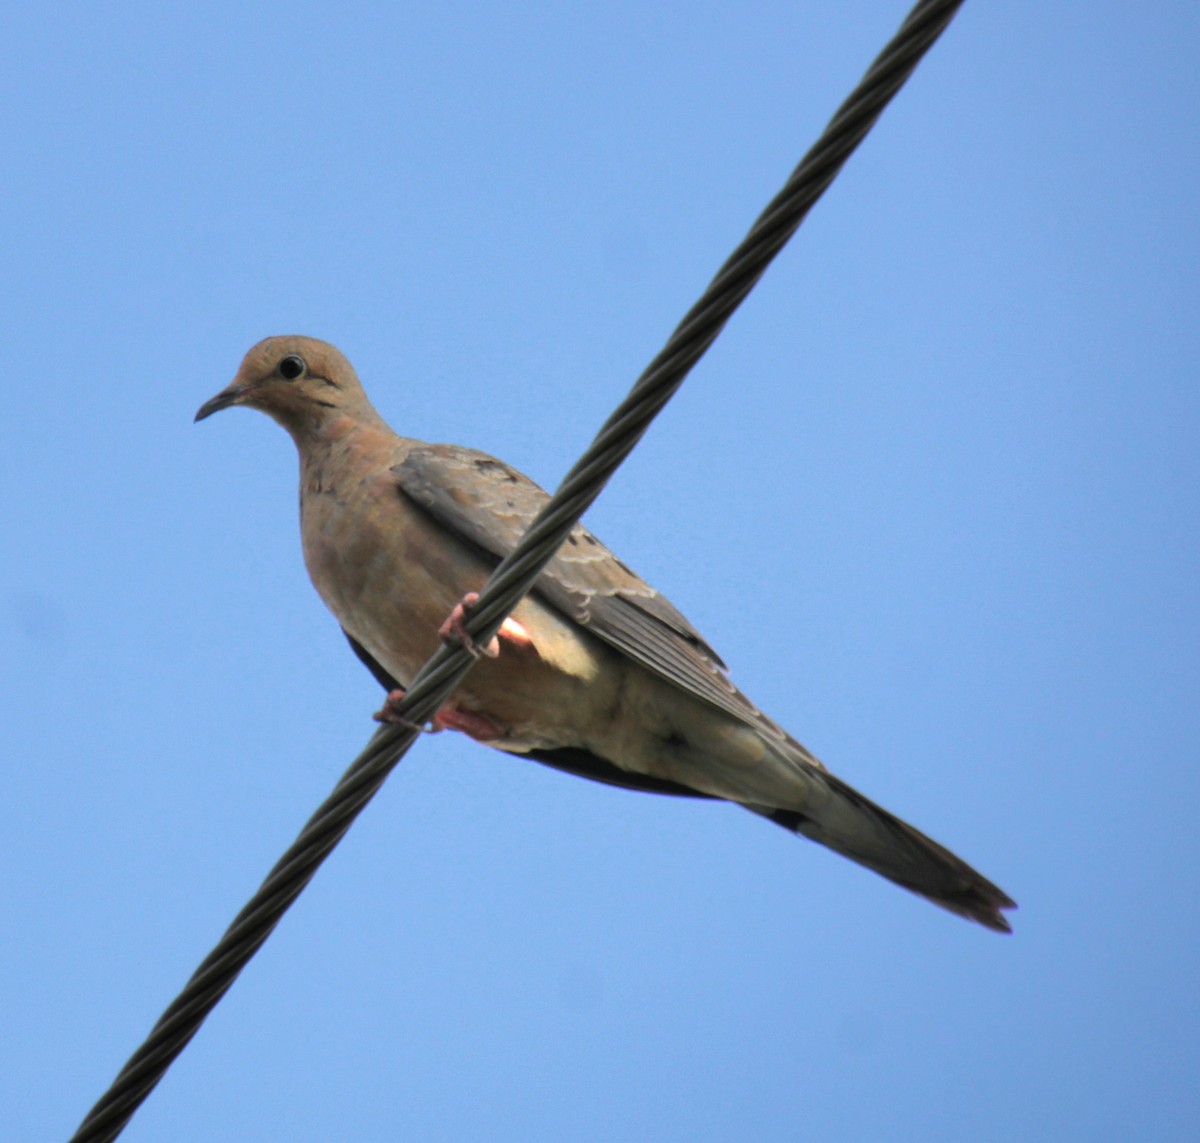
389 714
454 630
469 722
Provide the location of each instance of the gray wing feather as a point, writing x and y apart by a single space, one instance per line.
491 504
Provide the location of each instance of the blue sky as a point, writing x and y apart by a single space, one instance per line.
933 495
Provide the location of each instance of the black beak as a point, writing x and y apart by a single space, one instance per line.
222 400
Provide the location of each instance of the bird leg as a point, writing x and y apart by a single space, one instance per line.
449 717
388 713
454 630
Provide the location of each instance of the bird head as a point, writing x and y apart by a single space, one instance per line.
299 381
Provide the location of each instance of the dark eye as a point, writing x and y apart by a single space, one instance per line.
292 367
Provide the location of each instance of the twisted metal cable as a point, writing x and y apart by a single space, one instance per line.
517 572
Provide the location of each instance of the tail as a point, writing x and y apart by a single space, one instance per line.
855 827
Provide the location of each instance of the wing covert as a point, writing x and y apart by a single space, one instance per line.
491 504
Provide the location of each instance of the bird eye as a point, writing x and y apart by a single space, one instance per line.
291 367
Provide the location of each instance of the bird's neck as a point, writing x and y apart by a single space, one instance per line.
318 430
342 441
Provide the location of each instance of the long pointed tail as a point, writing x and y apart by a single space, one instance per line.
854 826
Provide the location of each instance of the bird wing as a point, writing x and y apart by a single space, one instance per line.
490 504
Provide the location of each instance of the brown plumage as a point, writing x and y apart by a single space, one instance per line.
597 673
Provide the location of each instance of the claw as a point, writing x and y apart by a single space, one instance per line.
469 722
388 714
454 630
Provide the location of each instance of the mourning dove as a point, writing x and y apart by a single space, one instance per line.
594 672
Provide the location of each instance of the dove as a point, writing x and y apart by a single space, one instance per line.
594 672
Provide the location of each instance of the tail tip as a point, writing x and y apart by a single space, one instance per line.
984 904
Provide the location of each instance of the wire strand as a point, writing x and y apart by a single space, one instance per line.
516 574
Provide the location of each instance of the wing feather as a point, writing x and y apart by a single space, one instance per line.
491 504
